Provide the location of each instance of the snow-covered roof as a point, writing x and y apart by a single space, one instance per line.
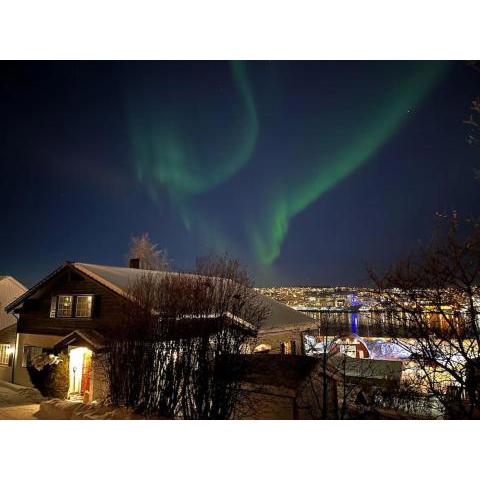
119 279
362 368
282 317
14 281
10 289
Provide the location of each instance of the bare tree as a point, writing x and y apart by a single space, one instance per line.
472 121
177 351
150 256
325 343
364 385
434 295
473 127
407 399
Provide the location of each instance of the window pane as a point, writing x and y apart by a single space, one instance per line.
84 306
4 354
64 308
29 353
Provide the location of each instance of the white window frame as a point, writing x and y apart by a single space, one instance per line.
76 306
59 306
4 354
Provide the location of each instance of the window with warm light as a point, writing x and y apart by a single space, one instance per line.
64 306
4 354
83 306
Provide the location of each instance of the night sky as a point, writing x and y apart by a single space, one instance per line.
306 171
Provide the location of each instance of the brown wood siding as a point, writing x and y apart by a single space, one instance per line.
35 315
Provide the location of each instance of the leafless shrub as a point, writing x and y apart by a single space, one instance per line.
407 399
175 352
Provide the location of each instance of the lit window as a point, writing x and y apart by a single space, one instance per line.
4 353
53 307
64 307
83 306
29 353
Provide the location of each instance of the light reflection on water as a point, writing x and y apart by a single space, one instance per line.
362 323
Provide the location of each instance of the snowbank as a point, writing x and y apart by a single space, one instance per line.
56 409
27 393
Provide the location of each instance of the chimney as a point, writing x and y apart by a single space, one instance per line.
134 263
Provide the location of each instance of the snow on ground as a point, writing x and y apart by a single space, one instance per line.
24 403
18 403
56 409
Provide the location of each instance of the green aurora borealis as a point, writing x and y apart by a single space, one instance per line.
190 143
172 160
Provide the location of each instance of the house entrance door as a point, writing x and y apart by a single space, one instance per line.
86 372
80 373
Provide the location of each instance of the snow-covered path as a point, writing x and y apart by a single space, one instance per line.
17 404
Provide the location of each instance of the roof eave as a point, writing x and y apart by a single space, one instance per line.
11 306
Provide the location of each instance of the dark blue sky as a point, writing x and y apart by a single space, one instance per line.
307 171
